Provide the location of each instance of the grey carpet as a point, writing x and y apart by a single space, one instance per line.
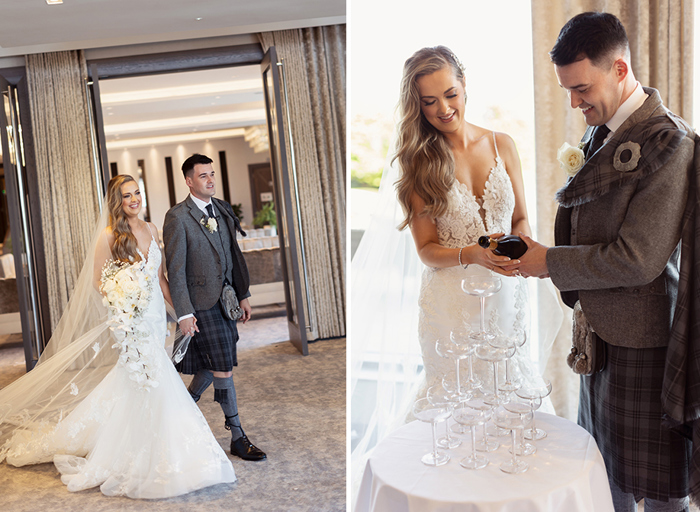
292 407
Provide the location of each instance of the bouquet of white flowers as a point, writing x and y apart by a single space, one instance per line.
127 289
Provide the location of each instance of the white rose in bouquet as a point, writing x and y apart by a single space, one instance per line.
130 288
113 296
108 286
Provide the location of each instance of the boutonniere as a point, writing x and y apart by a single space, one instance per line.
571 158
209 223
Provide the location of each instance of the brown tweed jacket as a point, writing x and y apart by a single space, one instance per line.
619 245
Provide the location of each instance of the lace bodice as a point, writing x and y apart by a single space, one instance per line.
152 259
463 223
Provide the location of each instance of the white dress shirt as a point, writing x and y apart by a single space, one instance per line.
628 107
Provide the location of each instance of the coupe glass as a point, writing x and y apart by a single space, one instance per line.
521 406
470 417
534 392
450 386
429 413
512 421
494 355
455 349
517 340
439 397
486 443
482 286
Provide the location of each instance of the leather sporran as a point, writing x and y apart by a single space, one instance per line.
588 351
229 303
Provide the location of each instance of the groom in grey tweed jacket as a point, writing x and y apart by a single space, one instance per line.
617 237
201 256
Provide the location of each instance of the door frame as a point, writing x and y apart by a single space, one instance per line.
189 60
35 266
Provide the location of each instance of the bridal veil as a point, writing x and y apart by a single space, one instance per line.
78 356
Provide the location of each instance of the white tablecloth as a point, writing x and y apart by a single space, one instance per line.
567 474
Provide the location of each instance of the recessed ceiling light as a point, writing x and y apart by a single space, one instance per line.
197 19
52 2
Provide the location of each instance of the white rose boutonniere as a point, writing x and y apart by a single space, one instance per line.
571 158
210 224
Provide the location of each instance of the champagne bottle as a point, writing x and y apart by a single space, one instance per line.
507 245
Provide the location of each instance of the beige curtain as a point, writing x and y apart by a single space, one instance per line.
65 171
314 61
661 45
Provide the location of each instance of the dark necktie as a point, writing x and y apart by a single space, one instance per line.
210 210
597 140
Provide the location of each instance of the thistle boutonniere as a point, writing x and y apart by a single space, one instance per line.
209 223
571 158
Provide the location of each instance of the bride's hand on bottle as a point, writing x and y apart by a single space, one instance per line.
488 259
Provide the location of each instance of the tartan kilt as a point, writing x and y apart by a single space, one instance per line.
214 346
621 408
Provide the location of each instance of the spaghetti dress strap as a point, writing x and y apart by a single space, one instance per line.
150 230
495 145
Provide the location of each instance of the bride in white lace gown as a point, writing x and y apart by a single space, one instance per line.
137 433
458 182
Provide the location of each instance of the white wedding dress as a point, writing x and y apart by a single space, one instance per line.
129 440
443 306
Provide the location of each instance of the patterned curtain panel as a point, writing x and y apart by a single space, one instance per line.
65 171
315 71
661 46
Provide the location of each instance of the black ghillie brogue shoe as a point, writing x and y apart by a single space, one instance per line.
244 449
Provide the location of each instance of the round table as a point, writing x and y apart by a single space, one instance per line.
567 474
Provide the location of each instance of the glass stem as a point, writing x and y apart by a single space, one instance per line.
459 387
534 427
435 455
483 325
471 368
521 439
473 429
495 378
512 435
508 382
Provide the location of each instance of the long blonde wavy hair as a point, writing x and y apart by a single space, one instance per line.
427 166
125 244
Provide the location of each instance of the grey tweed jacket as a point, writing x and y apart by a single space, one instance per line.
620 249
195 270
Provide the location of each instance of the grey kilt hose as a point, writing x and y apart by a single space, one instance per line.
621 408
214 346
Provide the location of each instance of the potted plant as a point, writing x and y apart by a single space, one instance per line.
238 210
266 216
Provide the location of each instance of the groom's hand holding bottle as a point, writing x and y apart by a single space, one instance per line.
534 262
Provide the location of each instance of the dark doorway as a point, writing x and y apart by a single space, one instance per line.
260 185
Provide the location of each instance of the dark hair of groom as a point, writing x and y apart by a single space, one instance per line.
599 36
188 165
